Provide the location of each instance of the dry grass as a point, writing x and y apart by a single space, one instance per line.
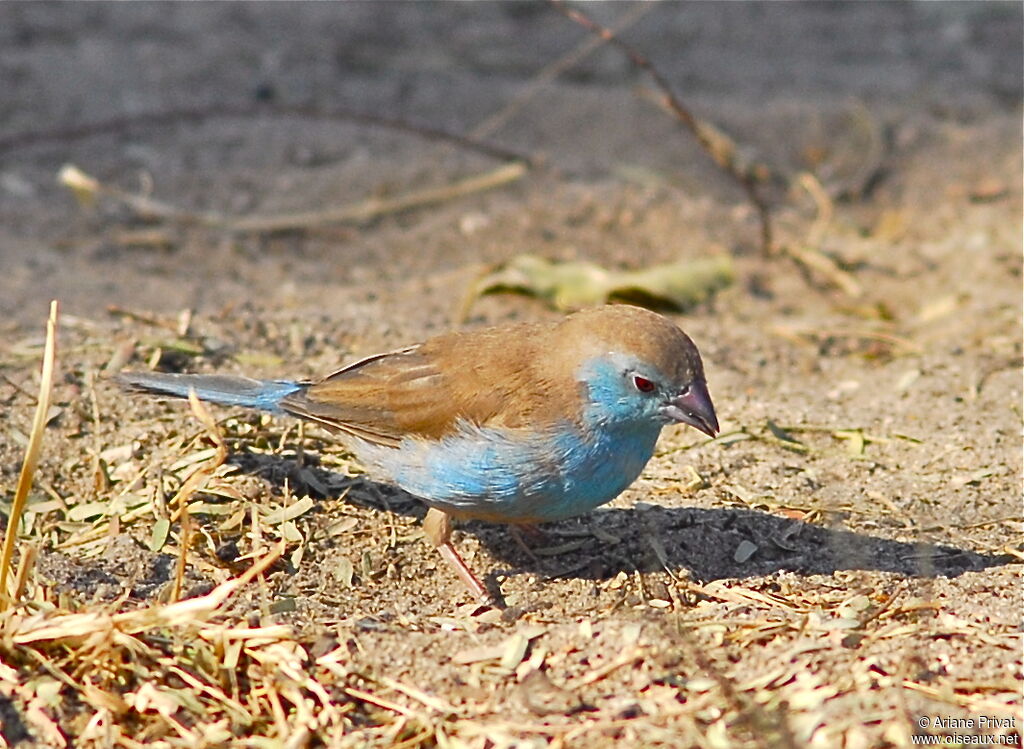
850 665
185 577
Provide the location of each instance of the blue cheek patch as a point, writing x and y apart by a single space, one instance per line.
611 397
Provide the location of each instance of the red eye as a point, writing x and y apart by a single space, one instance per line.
643 384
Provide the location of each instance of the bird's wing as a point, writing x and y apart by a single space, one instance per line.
426 391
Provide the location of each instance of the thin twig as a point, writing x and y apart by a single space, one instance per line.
793 333
719 146
809 256
143 317
28 466
823 205
192 484
626 659
551 71
381 702
248 112
815 260
869 163
25 565
368 210
84 185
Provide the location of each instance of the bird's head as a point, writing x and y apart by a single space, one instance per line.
637 367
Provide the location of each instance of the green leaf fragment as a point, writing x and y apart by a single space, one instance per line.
576 284
161 529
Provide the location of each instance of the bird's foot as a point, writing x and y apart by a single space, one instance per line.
437 526
471 581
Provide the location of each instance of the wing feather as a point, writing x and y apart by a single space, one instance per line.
425 391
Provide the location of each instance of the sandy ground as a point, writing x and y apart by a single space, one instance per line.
846 560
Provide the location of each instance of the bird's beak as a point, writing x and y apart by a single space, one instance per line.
693 406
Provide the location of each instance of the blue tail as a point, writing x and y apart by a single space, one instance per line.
225 390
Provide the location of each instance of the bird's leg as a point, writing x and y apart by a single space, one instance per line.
437 526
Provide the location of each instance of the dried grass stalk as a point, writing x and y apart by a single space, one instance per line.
28 466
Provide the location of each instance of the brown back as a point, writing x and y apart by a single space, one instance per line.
512 376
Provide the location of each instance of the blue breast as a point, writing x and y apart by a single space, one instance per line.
520 476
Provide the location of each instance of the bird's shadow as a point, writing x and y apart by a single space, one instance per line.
710 544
